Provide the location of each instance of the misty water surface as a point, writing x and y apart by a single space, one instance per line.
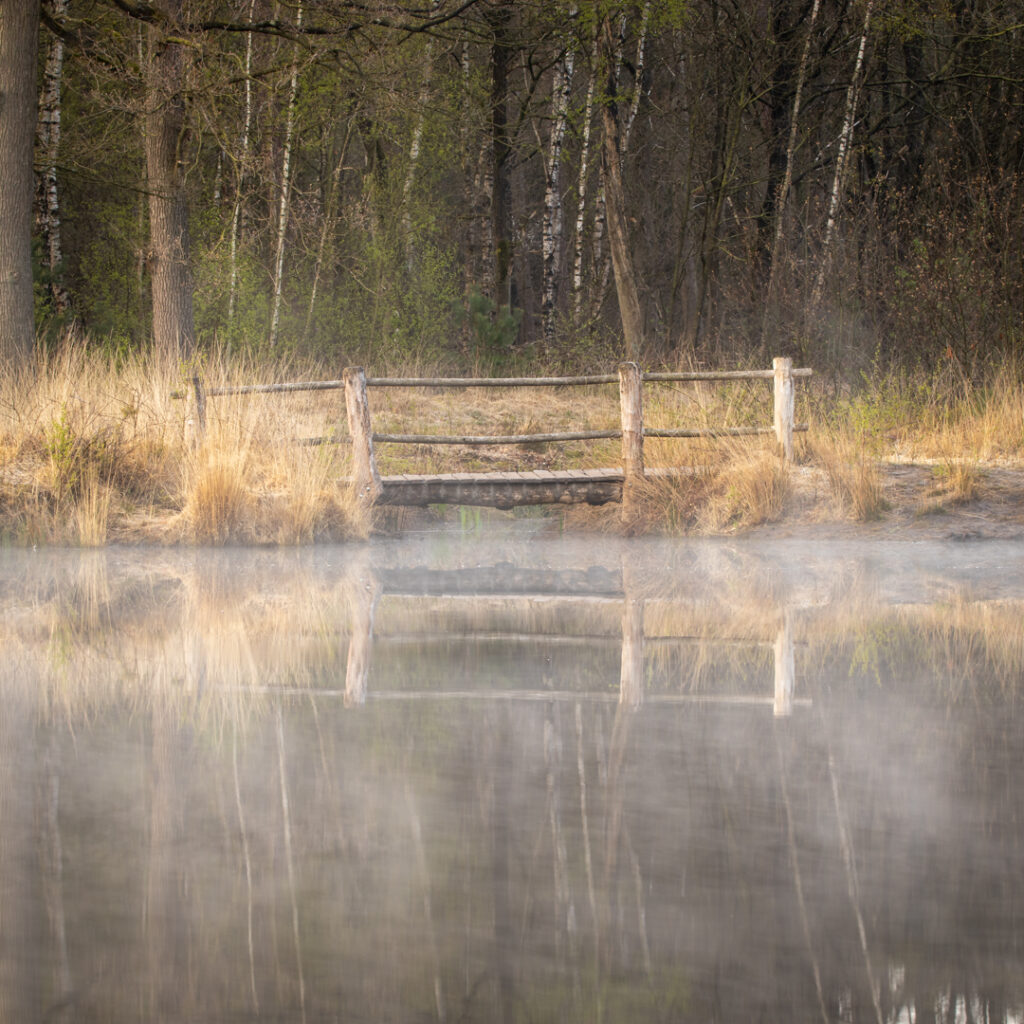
531 779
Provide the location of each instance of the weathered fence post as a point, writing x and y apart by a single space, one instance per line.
631 407
784 669
195 418
784 404
357 407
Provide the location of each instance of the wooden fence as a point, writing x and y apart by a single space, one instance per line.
371 486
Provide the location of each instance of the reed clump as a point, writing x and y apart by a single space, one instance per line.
853 477
732 487
94 449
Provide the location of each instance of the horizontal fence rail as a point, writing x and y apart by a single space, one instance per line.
632 431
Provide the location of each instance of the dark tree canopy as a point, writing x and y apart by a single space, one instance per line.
473 181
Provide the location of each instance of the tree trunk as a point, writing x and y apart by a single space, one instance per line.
780 122
779 204
581 188
605 263
552 239
327 229
499 19
48 133
243 172
171 273
615 203
286 191
19 34
849 117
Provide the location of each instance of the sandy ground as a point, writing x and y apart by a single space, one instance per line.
917 509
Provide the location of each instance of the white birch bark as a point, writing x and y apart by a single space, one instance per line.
787 178
552 237
236 214
48 134
286 188
849 119
581 187
417 140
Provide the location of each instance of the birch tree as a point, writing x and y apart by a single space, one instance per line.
242 173
552 236
286 188
838 178
48 138
581 186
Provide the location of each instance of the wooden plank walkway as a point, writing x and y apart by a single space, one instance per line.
504 490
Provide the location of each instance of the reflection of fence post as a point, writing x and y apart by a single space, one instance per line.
357 407
631 408
784 670
631 673
195 418
784 405
365 590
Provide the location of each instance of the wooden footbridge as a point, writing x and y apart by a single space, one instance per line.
535 487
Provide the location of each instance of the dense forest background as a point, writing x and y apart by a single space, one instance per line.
481 183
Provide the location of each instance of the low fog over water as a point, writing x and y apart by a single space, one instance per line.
523 779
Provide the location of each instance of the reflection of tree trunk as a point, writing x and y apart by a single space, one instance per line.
614 802
587 858
424 870
171 274
248 867
565 911
22 913
501 836
53 866
798 885
166 950
289 858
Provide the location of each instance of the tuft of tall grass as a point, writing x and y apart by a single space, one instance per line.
93 449
732 487
854 480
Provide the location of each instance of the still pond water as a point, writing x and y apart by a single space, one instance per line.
528 779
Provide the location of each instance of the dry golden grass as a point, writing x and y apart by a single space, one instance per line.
728 488
853 476
92 449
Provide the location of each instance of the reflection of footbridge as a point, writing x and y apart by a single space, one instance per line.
540 587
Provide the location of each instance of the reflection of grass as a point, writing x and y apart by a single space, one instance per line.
203 643
967 647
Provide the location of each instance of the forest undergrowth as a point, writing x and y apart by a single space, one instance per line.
94 449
